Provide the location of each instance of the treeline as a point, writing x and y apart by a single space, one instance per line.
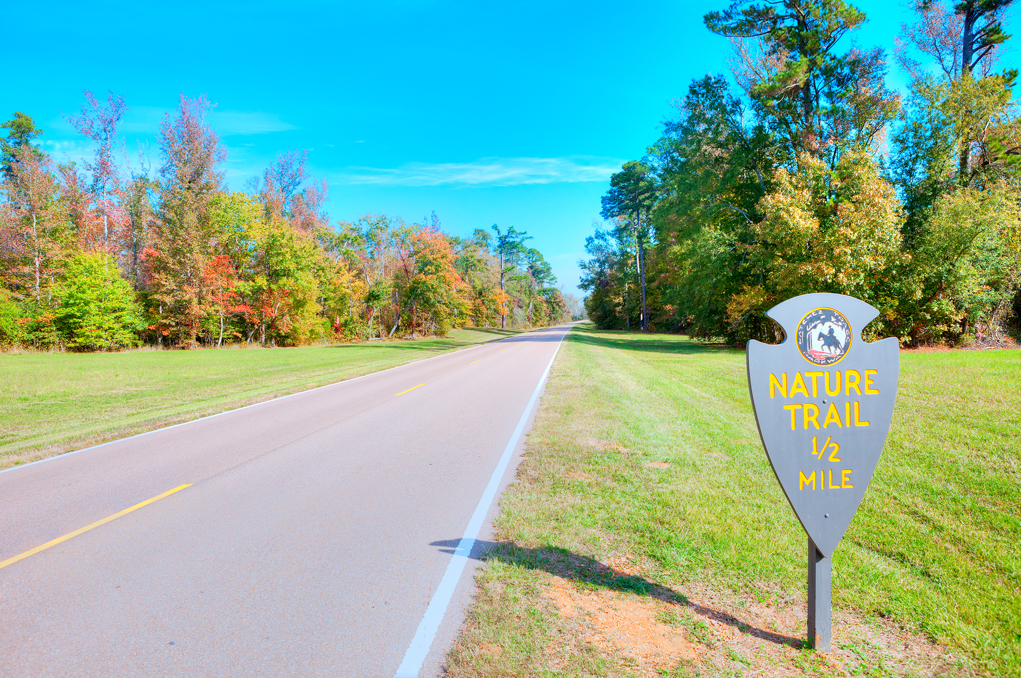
106 255
803 172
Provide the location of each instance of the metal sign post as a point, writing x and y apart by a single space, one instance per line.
823 401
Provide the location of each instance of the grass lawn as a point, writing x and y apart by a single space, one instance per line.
647 535
56 402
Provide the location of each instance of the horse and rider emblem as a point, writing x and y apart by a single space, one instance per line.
823 336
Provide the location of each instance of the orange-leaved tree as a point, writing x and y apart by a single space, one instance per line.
220 280
434 289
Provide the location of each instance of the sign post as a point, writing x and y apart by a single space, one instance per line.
823 401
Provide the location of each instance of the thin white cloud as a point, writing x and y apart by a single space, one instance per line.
230 123
486 172
68 150
147 119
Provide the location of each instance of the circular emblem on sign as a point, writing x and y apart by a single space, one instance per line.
824 336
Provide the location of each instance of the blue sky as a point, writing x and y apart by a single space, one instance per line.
506 113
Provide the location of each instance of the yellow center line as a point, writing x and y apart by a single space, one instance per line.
410 389
474 361
81 530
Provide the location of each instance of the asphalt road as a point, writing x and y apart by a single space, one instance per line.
304 542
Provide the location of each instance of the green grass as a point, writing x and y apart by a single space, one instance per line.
932 555
55 402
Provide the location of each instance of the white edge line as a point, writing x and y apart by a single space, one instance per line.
271 400
415 657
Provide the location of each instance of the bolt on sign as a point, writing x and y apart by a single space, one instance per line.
823 401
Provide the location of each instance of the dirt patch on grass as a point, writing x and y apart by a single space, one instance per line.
713 633
623 625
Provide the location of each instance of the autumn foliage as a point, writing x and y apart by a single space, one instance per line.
103 257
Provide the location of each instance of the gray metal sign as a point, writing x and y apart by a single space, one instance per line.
823 401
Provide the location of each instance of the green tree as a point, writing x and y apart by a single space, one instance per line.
631 197
509 246
604 277
715 162
98 309
538 279
968 263
21 132
822 102
11 330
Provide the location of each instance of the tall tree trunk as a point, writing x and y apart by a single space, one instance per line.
220 340
806 105
967 52
968 39
397 301
806 94
641 266
503 316
134 251
35 250
627 284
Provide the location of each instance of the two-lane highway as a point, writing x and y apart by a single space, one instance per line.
289 538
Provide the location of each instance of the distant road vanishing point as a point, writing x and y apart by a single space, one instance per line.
320 534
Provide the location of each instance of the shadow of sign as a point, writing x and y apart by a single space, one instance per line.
591 572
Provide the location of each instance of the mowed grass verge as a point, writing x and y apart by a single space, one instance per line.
55 402
646 534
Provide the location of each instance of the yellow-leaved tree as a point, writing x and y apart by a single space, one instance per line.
825 231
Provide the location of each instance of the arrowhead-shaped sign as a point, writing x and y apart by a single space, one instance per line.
823 400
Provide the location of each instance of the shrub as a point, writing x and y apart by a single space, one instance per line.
98 309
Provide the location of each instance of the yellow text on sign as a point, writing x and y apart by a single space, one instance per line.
810 416
832 446
843 480
833 382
